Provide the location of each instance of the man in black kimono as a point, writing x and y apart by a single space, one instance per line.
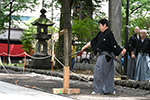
131 48
104 67
142 70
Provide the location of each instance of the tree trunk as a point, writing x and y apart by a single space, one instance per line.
115 25
66 21
86 9
65 24
90 8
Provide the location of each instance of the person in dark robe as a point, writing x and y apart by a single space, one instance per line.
142 71
104 67
132 57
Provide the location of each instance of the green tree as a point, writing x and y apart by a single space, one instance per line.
17 5
27 39
65 18
139 12
84 30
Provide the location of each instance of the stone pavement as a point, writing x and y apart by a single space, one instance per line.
14 92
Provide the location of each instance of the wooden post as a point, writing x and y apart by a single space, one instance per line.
24 63
3 59
66 77
65 88
66 60
52 54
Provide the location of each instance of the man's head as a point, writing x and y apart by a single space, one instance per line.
143 33
136 30
103 24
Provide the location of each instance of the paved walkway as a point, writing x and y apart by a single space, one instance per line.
14 92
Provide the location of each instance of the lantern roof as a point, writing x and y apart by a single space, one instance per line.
42 20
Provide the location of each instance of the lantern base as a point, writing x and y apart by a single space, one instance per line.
41 62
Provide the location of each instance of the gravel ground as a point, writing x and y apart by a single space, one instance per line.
46 83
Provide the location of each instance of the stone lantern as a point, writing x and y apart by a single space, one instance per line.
42 24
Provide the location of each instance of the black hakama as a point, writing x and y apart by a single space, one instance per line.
104 68
131 61
142 71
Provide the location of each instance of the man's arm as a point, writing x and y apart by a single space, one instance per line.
132 54
86 46
123 51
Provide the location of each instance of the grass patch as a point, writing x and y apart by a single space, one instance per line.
14 64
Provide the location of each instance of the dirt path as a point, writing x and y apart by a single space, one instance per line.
45 83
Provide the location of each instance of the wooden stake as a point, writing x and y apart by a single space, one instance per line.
66 77
65 88
58 90
24 63
51 69
65 91
52 54
3 59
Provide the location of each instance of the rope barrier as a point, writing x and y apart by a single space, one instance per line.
16 82
59 61
27 55
13 55
81 77
1 53
7 71
37 57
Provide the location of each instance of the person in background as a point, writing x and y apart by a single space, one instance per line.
142 50
131 49
105 42
73 50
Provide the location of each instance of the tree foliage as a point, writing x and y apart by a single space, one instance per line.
27 39
17 5
84 30
84 26
139 14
